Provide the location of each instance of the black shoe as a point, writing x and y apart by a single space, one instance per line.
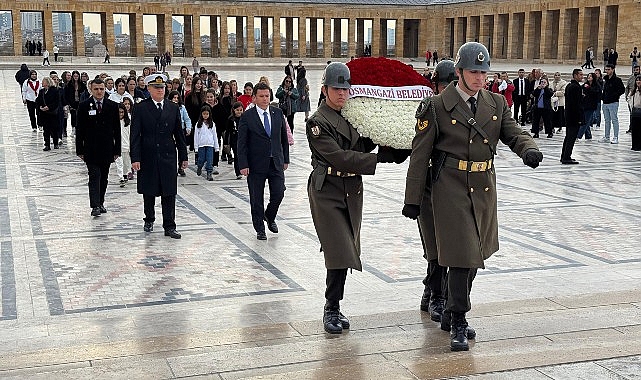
103 210
181 172
536 136
199 171
209 177
173 234
550 135
46 149
344 321
425 301
261 236
446 325
458 335
230 161
271 225
628 131
55 146
571 161
149 226
331 321
436 307
95 211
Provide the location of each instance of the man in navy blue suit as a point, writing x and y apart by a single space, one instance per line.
263 154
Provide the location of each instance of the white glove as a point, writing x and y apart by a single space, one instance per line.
503 86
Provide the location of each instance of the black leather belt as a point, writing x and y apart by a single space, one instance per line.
468 166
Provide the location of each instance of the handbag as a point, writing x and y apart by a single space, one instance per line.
290 135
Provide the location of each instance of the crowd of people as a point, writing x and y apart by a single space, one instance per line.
540 99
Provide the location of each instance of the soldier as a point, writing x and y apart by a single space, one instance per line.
458 130
335 188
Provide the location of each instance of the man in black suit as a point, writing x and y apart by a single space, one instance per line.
156 133
263 154
98 141
522 90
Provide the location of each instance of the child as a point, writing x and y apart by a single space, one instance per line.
129 104
232 132
206 141
124 161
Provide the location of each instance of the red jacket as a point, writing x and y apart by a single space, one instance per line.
507 92
428 55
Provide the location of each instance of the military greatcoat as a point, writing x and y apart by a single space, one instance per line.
336 202
464 203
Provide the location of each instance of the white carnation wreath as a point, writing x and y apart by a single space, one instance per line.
387 122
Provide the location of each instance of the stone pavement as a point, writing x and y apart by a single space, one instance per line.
87 297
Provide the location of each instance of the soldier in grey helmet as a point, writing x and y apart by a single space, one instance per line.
444 73
457 132
340 156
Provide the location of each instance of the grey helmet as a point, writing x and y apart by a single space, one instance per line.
473 56
444 72
336 75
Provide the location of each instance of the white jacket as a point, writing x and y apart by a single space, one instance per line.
559 90
205 136
28 93
124 136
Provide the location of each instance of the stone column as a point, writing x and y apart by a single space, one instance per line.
376 37
78 33
486 30
526 35
422 37
583 35
188 36
136 40
336 44
313 37
240 37
289 37
351 36
264 37
16 29
383 38
598 50
276 38
47 30
302 37
360 36
195 36
562 50
224 37
251 41
545 35
511 35
214 40
108 38
169 35
327 37
399 38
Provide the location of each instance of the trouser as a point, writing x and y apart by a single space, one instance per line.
256 184
610 117
436 279
290 121
635 128
335 290
589 117
31 107
459 285
571 132
206 157
520 105
98 179
46 60
50 131
537 115
168 203
233 143
55 57
123 165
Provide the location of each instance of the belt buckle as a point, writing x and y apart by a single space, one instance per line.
329 170
462 165
478 166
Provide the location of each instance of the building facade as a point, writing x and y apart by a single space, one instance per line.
543 31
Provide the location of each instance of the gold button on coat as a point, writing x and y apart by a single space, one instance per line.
487 189
494 117
471 189
453 121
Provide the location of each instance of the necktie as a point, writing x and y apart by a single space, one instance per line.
472 104
521 87
99 106
268 128
159 107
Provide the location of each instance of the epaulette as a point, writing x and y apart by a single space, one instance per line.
421 111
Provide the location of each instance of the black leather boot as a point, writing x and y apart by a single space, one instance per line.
331 321
436 307
344 321
458 334
446 325
425 300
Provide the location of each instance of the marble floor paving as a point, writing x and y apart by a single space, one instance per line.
85 297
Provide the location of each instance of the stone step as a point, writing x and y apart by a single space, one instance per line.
399 345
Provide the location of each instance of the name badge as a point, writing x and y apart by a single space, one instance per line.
92 113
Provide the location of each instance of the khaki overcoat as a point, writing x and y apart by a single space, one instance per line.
464 205
336 202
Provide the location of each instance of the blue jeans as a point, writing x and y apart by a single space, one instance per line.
610 117
589 117
206 157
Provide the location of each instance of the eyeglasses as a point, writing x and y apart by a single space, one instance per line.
288 81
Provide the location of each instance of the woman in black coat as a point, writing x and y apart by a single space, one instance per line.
48 101
193 102
542 108
591 98
73 90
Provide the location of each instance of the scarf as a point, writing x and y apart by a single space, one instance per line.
35 89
